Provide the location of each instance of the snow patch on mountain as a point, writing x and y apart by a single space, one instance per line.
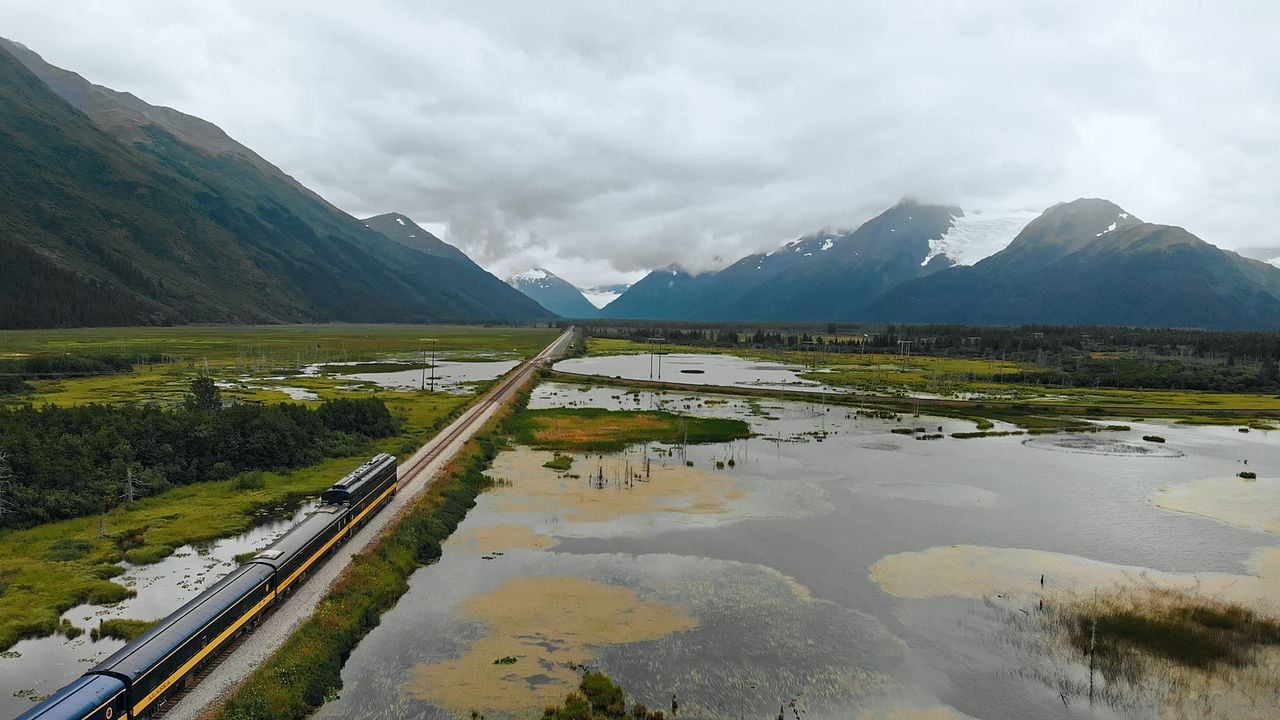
529 275
978 235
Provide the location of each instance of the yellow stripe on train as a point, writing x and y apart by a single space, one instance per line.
253 611
317 554
186 667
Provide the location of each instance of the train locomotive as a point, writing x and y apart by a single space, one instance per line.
138 679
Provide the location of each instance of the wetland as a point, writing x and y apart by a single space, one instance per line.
831 565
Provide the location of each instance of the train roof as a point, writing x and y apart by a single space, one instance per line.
154 645
280 551
360 474
77 700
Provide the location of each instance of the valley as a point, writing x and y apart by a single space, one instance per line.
463 361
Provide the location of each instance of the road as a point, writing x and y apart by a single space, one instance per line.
416 474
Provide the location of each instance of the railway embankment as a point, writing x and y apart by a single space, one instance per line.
292 663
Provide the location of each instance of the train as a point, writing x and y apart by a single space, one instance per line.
137 680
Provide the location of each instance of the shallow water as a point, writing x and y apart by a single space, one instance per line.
46 664
772 560
696 369
450 376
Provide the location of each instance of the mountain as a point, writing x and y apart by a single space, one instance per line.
553 293
1082 262
1090 262
116 212
829 275
406 232
602 295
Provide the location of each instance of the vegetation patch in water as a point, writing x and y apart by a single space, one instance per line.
986 434
559 462
599 698
121 629
598 429
1188 630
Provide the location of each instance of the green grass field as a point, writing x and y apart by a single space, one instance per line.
235 353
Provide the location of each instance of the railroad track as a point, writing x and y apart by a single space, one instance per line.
494 397
250 649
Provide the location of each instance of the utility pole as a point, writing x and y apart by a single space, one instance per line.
422 344
129 485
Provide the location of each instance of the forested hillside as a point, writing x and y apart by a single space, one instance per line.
111 221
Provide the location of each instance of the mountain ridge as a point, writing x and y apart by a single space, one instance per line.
553 293
136 226
1090 262
1087 261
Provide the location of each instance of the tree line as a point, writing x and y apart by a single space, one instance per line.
65 462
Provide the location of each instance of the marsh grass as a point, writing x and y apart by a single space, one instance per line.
959 377
1172 651
597 429
121 629
559 462
235 352
1194 632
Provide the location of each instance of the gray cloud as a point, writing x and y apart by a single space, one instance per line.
604 139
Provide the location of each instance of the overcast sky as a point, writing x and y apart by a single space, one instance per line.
602 139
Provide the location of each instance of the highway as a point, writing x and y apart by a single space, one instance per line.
416 474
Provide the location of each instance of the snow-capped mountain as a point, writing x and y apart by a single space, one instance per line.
602 295
977 235
823 275
552 292
1090 262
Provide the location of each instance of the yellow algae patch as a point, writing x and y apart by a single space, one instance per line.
975 571
1249 504
530 487
545 623
937 712
488 538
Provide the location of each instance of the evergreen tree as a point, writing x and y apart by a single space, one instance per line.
205 395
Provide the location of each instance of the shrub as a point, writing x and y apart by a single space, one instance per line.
255 480
559 462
